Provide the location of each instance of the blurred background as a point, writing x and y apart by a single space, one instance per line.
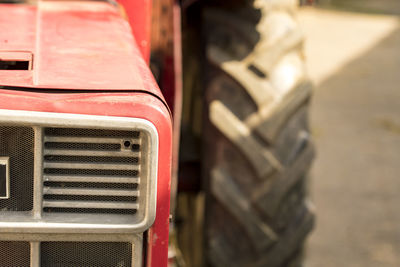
353 53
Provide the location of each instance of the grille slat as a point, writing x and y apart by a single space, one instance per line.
132 186
86 172
90 166
90 171
86 139
90 204
89 192
91 179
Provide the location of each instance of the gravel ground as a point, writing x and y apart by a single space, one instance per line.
354 60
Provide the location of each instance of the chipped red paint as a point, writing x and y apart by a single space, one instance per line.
87 46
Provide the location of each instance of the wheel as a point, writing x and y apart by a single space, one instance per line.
257 148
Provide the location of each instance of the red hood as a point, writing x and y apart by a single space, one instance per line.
74 45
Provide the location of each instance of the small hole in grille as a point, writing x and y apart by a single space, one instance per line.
127 143
91 210
92 185
14 254
135 147
92 159
91 133
82 146
93 254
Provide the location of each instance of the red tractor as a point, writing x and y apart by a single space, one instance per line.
148 133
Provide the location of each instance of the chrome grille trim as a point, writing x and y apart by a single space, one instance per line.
35 254
37 178
44 222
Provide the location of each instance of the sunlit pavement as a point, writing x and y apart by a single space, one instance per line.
354 60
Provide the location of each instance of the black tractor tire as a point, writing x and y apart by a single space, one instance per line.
257 147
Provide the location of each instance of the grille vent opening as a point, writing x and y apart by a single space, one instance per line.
17 143
91 171
93 254
15 60
14 65
14 254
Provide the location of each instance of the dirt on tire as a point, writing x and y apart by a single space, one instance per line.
257 148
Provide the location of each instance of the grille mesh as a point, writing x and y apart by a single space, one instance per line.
99 173
14 254
93 254
82 146
17 143
91 185
92 159
91 171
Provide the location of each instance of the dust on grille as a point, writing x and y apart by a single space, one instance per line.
91 170
93 254
17 143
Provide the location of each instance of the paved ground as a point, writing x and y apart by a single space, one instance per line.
382 6
355 62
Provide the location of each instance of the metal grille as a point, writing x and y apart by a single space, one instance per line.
14 254
91 171
93 254
17 143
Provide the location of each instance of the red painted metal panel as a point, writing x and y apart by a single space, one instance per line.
89 46
138 105
18 27
75 45
139 17
174 78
